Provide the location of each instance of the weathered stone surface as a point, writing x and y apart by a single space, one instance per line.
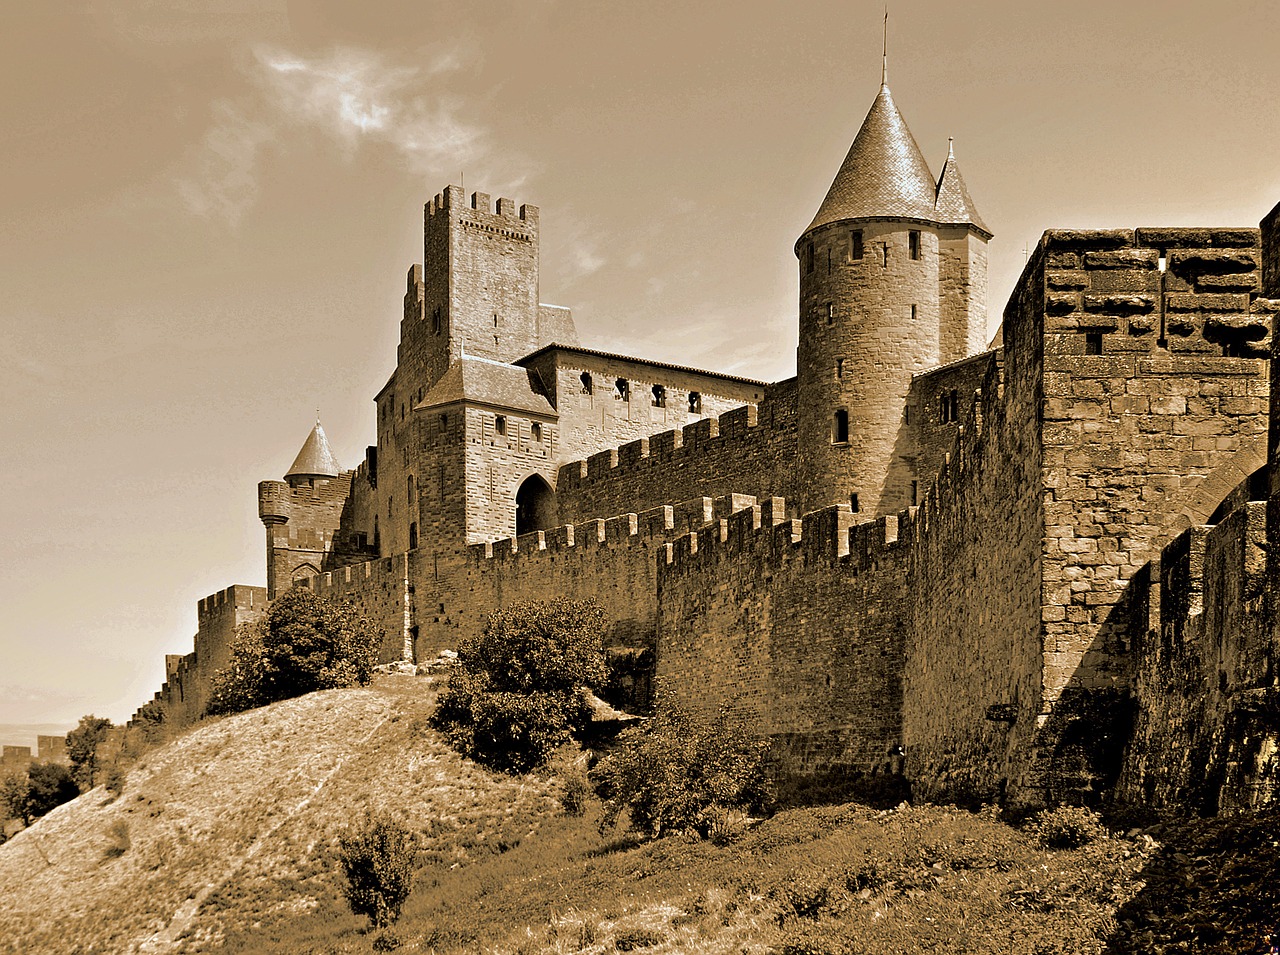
1067 240
1119 304
1171 238
1212 261
1122 259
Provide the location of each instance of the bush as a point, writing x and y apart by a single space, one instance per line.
521 690
1067 827
304 643
50 785
575 791
377 860
119 839
676 773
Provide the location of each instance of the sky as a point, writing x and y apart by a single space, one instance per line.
209 209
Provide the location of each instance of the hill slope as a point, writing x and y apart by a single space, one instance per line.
223 841
234 824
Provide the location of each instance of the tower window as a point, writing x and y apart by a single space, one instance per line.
808 258
913 243
435 320
622 389
1093 343
884 252
413 536
659 396
500 425
535 429
586 382
949 407
913 313
855 244
840 430
853 502
695 402
839 367
444 422
831 313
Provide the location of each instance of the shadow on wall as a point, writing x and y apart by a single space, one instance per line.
1192 717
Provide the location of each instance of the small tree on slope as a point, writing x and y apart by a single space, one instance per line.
522 687
377 860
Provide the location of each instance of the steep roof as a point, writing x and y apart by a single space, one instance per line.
884 176
955 205
482 381
315 459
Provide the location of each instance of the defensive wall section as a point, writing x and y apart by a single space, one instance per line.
750 450
791 628
381 592
1207 705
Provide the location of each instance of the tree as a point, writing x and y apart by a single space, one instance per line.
522 687
51 785
15 788
377 859
304 643
83 744
676 773
31 794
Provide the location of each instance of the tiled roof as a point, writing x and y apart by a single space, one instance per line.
884 176
578 349
481 381
315 459
955 205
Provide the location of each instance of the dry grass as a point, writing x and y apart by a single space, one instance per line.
236 824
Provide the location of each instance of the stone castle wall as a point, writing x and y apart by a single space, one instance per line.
380 591
750 450
1205 671
792 629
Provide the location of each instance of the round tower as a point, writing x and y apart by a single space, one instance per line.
887 290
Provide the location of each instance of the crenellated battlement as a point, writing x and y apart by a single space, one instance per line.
230 599
657 524
696 438
507 218
1126 291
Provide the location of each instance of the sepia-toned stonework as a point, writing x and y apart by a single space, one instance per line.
1030 572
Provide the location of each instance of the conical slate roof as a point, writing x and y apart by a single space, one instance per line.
884 176
955 205
315 459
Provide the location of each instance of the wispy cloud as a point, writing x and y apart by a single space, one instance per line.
352 96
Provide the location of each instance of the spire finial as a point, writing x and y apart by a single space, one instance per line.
884 55
951 147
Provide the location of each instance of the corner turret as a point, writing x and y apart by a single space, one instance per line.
315 462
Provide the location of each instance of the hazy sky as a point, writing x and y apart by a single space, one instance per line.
209 209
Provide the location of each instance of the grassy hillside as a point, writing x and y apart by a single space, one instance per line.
224 841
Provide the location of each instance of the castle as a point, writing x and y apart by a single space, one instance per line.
1034 571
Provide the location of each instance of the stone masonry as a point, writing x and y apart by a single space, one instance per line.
1031 573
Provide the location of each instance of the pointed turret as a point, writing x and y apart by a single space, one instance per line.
884 176
315 461
954 204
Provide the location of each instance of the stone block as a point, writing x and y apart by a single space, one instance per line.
1147 259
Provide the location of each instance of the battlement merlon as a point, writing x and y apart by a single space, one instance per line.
453 199
235 597
1271 253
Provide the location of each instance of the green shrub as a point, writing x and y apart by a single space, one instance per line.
671 771
521 690
50 785
1067 827
377 860
304 643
